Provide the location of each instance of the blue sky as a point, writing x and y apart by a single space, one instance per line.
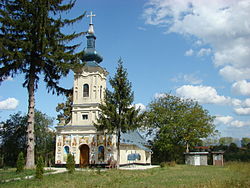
189 48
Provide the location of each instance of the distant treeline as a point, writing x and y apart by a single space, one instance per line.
13 138
231 151
234 153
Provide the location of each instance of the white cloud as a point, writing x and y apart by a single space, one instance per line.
203 94
159 95
198 43
241 87
242 111
9 104
243 107
246 103
141 106
189 52
236 102
235 74
223 119
223 25
238 123
204 52
141 28
189 78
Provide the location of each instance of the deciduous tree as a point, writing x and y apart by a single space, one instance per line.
245 141
178 123
13 138
45 137
226 141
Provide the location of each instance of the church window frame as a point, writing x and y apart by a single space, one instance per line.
66 152
101 153
85 116
86 90
100 92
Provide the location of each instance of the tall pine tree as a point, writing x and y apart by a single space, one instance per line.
117 112
32 43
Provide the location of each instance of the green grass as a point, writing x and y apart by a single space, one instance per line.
11 173
232 175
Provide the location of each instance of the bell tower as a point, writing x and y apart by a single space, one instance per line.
89 84
80 137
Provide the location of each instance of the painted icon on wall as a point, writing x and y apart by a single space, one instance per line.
66 139
59 142
74 141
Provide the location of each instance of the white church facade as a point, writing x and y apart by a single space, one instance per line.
80 137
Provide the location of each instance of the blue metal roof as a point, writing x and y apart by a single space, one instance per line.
91 64
134 138
90 53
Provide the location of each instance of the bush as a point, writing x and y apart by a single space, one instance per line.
39 168
20 163
70 166
98 170
164 164
172 163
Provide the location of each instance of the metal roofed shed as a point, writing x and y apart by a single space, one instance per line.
196 158
218 158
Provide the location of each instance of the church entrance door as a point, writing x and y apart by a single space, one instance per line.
84 155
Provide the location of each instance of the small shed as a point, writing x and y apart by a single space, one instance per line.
218 158
196 158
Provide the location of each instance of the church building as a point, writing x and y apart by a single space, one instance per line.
80 137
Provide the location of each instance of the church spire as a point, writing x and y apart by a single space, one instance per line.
90 54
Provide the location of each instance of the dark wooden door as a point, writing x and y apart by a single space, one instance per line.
84 155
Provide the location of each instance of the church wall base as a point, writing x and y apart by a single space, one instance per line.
130 164
78 166
101 165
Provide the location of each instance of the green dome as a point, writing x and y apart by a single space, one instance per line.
89 53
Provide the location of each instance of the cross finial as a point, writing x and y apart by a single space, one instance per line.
91 15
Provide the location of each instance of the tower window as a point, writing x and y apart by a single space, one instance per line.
85 90
91 43
85 117
101 92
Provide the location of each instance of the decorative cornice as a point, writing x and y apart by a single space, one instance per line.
75 127
86 105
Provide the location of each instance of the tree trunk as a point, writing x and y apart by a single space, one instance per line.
30 159
118 148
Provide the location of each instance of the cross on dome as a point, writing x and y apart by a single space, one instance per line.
91 16
91 27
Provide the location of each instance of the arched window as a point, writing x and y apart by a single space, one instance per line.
85 90
101 92
101 153
65 153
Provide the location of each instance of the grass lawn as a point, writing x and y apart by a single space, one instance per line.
232 175
11 173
